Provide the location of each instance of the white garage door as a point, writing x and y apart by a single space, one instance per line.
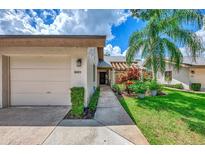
40 80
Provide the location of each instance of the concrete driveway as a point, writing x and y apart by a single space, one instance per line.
29 125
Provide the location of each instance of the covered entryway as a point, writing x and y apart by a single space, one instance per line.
39 80
102 77
104 73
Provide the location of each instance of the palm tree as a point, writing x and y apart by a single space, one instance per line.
163 35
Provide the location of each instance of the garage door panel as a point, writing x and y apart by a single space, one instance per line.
33 99
40 87
39 75
40 80
39 62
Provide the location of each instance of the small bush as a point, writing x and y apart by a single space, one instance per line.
94 100
118 88
77 99
115 87
153 85
127 84
160 88
138 88
177 86
130 74
195 86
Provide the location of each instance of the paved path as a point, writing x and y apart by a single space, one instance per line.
111 125
111 114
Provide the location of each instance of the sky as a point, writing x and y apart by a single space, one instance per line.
117 25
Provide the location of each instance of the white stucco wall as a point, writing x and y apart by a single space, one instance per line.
181 76
82 78
112 76
92 59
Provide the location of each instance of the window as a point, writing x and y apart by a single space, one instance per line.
168 75
93 72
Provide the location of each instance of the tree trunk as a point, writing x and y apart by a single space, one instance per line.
142 75
154 73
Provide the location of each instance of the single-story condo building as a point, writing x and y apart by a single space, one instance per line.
190 72
41 69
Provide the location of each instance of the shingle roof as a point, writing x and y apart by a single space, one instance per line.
103 64
189 61
110 59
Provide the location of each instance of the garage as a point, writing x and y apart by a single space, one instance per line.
39 80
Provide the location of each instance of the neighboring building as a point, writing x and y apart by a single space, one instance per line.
110 68
190 72
40 70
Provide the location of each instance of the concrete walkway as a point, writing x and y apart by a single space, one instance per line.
111 126
112 115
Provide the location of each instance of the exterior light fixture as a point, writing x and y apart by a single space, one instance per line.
192 72
79 62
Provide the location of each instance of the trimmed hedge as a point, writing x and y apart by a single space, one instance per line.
94 100
77 99
195 86
177 86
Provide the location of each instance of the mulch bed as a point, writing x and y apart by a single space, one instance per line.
86 115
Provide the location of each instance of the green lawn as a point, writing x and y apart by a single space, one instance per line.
177 118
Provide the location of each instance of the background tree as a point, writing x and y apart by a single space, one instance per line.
163 35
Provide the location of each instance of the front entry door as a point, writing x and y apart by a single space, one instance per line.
102 77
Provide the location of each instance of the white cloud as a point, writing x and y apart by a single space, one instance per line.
71 22
125 52
112 50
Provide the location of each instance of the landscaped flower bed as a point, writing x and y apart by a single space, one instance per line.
133 83
78 110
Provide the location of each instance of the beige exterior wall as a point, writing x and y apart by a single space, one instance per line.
1 88
198 76
78 76
181 76
4 81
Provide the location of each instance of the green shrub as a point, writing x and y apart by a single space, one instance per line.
177 86
94 100
160 88
195 86
77 99
153 85
138 88
122 87
116 88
